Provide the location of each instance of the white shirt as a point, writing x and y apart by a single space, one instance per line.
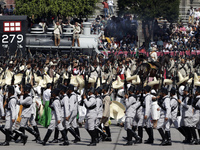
57 29
46 95
110 3
154 56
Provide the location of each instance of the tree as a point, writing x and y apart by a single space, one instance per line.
148 10
45 8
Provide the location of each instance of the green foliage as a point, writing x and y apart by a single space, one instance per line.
44 8
149 9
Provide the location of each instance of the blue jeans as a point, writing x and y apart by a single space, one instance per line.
106 12
111 10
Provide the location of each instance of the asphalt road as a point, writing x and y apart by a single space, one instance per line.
116 144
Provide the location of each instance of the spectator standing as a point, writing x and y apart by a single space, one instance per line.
76 33
11 10
105 7
1 11
110 5
5 11
191 15
57 32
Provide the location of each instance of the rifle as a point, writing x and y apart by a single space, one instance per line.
191 95
86 86
125 85
32 66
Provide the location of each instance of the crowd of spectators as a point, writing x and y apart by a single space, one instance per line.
121 33
118 33
6 11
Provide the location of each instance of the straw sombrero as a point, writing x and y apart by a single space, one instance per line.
73 81
181 79
118 84
137 81
129 77
18 78
154 82
196 80
167 81
117 110
81 81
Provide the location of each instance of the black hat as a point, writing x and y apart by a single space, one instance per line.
131 89
71 87
198 89
164 90
63 88
147 88
11 90
106 87
55 91
173 91
91 90
98 90
186 88
139 88
27 88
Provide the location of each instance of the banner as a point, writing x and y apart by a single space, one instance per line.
13 31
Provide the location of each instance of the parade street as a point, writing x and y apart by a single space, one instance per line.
116 144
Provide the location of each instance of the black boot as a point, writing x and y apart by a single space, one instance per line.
37 139
182 131
194 135
168 138
187 135
48 134
93 138
137 138
108 134
21 133
97 135
151 139
31 131
7 134
129 138
77 138
21 130
147 131
4 132
199 134
162 134
64 136
140 133
56 134
134 128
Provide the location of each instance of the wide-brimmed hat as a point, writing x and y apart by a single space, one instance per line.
37 78
137 81
91 79
55 79
98 82
196 80
42 83
65 76
129 77
81 81
117 110
118 84
154 82
47 79
167 81
181 79
73 81
18 78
